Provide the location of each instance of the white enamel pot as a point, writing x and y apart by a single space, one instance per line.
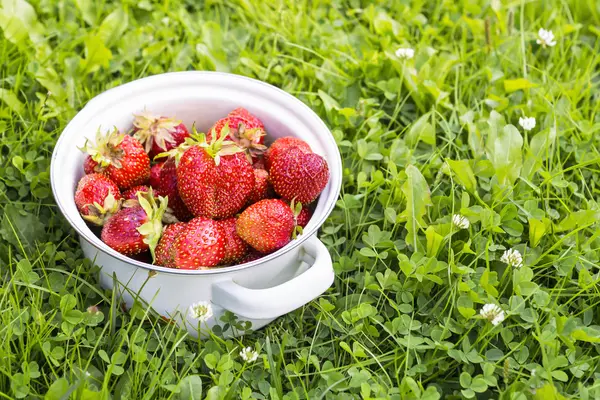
259 291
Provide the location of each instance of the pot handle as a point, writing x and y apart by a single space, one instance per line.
272 302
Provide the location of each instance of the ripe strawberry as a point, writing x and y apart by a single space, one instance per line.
214 179
97 198
262 187
267 225
163 249
248 134
200 244
132 194
303 217
158 134
245 114
235 247
136 229
299 175
120 157
281 145
163 178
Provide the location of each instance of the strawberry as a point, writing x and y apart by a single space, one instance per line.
200 244
235 247
281 145
245 114
97 198
214 179
262 187
303 217
267 225
299 175
132 194
138 228
248 134
163 178
158 134
163 249
120 157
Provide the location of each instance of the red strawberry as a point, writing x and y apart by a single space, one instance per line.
235 247
298 175
136 229
214 180
163 249
247 134
158 134
262 187
252 256
245 114
267 225
303 217
281 145
163 178
132 194
97 198
120 157
201 243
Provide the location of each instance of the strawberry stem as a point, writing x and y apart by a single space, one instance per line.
100 213
154 129
106 150
216 148
220 147
152 229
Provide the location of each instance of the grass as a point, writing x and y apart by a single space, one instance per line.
422 139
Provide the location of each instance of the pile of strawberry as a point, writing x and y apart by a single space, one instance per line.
195 200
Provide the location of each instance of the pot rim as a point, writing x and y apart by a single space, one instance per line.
85 234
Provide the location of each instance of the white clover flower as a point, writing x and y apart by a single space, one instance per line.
248 354
201 311
405 53
546 38
492 313
527 123
460 221
513 258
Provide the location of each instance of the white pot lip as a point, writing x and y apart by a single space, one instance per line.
335 162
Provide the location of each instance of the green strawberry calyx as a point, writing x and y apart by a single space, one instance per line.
100 213
248 140
176 153
168 216
218 146
154 128
152 229
296 207
107 149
